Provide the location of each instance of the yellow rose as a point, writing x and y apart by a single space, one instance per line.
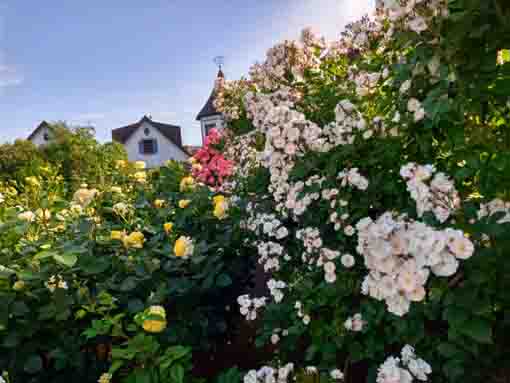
140 177
116 234
168 227
184 203
116 189
84 196
18 285
220 211
187 184
159 203
27 216
156 319
140 165
218 199
120 164
183 247
220 206
43 215
134 240
32 181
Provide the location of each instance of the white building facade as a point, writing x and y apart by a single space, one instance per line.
41 135
152 142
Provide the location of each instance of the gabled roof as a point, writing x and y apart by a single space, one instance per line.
42 125
208 109
171 132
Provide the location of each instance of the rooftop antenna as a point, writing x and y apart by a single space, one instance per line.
219 61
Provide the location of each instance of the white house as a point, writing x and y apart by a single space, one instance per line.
41 135
152 142
209 117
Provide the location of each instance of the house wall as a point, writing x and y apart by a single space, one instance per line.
38 138
167 150
217 120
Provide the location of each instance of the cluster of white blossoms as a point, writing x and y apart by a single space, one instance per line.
352 177
404 369
400 254
249 306
414 106
433 191
366 83
265 224
495 206
275 289
241 151
270 254
289 57
355 323
268 374
348 123
54 282
415 15
301 314
297 201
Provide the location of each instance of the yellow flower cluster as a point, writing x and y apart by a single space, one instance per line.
155 319
220 207
183 203
134 240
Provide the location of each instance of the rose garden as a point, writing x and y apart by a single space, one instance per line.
351 224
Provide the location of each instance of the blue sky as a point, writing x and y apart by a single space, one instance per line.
109 62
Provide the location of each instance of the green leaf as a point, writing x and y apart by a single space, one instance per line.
33 364
223 280
477 329
177 374
94 265
128 284
67 259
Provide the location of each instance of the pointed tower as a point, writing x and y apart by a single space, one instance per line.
209 117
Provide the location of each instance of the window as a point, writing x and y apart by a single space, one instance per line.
146 131
46 137
148 146
208 128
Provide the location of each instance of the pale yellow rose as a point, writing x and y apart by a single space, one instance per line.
33 181
183 247
27 216
140 165
120 164
168 227
152 324
187 184
84 196
140 177
134 240
159 203
183 203
116 189
116 234
18 285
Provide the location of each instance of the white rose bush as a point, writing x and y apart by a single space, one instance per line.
378 188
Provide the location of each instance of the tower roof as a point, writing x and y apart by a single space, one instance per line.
208 109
